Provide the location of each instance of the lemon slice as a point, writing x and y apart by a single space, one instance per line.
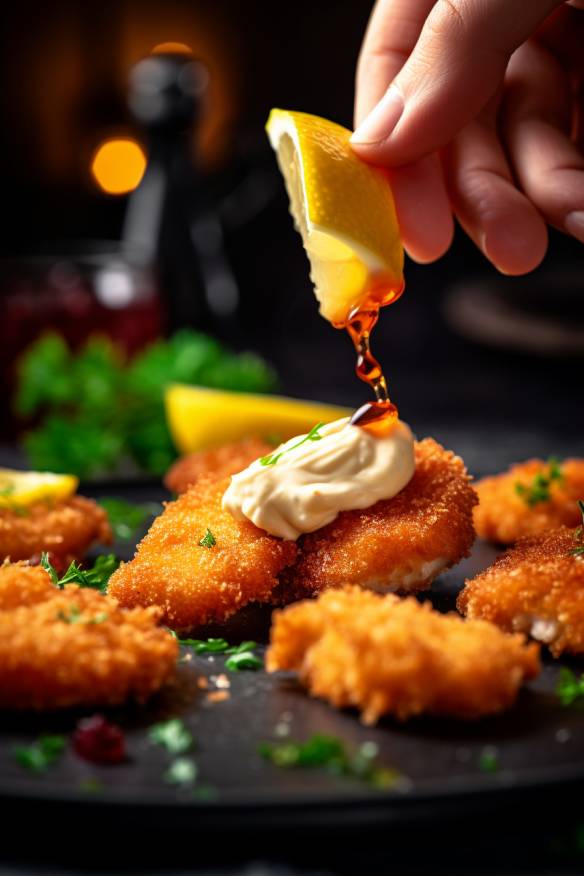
21 488
344 210
200 418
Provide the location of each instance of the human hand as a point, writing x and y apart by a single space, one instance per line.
484 119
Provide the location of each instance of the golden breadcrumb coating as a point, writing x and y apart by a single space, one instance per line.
503 516
194 584
67 527
73 647
536 587
397 544
219 462
385 655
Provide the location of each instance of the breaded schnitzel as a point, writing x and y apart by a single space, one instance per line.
397 544
69 647
218 462
536 587
198 583
67 528
511 505
384 655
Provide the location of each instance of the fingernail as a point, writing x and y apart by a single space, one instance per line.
574 224
381 121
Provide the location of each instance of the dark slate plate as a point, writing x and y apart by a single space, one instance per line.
539 747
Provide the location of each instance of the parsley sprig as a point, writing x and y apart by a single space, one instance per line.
540 488
569 687
272 458
97 577
578 551
173 735
238 656
41 754
208 540
330 753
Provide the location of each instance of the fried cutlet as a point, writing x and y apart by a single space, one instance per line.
196 583
507 511
401 543
536 587
66 528
71 647
220 462
385 655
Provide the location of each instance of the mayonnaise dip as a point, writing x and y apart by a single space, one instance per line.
314 480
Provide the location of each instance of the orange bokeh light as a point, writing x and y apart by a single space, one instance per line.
118 165
171 49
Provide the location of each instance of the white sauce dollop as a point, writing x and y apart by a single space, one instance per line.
310 484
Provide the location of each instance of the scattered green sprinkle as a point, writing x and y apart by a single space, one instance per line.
208 540
97 577
569 687
216 646
172 735
540 488
182 771
272 458
489 760
329 752
126 518
243 660
41 754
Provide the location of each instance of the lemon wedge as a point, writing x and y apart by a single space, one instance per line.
200 418
344 210
21 488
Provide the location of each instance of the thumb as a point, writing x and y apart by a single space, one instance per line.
455 68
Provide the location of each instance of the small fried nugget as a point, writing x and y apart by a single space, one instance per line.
72 647
536 587
397 544
505 513
220 462
385 655
198 583
67 528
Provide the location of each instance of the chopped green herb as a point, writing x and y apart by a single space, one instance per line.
578 551
208 540
243 660
41 754
182 771
329 752
539 490
97 577
569 687
272 458
126 518
172 735
489 760
216 646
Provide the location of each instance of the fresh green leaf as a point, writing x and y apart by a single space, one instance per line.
539 490
206 646
172 735
126 518
208 540
272 458
48 567
182 771
243 660
96 577
41 754
569 687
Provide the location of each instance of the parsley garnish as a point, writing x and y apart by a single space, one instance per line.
40 755
578 551
97 577
75 616
272 458
243 660
217 646
208 540
172 735
539 490
329 752
489 760
182 771
126 518
569 687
